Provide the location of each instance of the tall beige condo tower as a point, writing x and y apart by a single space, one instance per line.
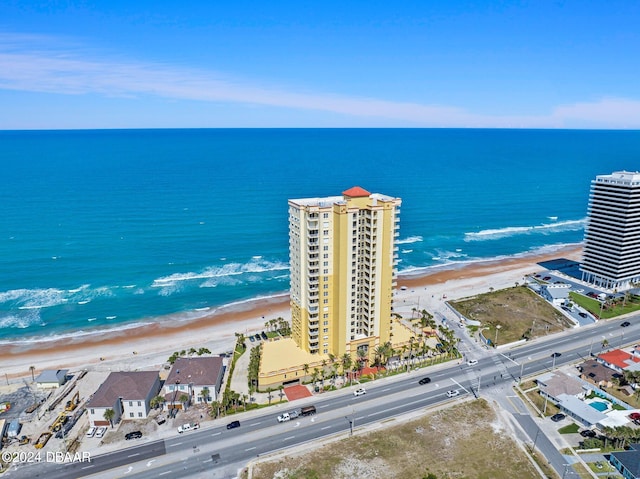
343 271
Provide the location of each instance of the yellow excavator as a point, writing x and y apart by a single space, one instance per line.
42 440
71 405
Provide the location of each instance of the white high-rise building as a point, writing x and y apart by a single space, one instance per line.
343 270
611 256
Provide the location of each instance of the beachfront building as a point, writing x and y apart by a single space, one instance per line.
193 380
127 393
611 257
52 378
343 270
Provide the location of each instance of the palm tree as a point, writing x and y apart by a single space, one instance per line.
281 391
205 394
269 395
605 343
32 369
361 358
244 401
214 409
157 402
109 414
184 399
305 368
346 362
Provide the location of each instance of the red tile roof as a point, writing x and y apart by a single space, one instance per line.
356 192
619 358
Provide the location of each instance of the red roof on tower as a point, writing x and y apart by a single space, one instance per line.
356 192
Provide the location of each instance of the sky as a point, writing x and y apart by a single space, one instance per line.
67 64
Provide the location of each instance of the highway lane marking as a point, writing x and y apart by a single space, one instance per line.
386 389
86 467
163 473
208 460
255 423
326 427
176 444
134 455
215 434
287 438
250 449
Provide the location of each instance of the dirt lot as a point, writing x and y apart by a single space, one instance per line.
465 441
512 314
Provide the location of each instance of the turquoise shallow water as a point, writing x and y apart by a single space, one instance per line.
105 228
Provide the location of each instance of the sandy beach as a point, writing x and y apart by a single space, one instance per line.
150 346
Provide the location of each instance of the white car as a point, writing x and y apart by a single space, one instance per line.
92 431
453 393
101 431
359 392
284 417
472 362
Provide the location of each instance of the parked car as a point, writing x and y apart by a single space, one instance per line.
257 336
587 433
102 430
558 417
133 435
359 392
424 381
453 393
634 416
233 425
582 315
263 334
161 420
91 431
546 278
580 290
253 340
625 324
472 362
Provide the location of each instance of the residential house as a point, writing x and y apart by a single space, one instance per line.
52 378
127 393
598 374
619 360
627 462
193 380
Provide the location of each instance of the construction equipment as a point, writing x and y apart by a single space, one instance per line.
42 440
59 422
71 405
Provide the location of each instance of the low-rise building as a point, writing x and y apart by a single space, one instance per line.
619 360
52 378
597 373
627 462
193 380
557 294
127 393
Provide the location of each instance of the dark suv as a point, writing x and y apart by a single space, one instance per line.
133 435
558 417
233 425
424 381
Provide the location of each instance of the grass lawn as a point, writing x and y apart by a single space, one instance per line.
569 429
463 441
512 314
608 311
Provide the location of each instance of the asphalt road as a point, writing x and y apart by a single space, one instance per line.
218 452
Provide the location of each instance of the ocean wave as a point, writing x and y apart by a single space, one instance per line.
33 298
256 265
556 227
21 320
467 261
407 251
410 239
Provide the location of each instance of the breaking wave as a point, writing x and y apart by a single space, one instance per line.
492 234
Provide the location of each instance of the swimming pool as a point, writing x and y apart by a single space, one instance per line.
599 405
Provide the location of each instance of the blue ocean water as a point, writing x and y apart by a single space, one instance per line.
103 229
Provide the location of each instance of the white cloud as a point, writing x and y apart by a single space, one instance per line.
25 65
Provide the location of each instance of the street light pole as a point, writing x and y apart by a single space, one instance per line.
498 326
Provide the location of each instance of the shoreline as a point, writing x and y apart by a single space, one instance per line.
152 344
